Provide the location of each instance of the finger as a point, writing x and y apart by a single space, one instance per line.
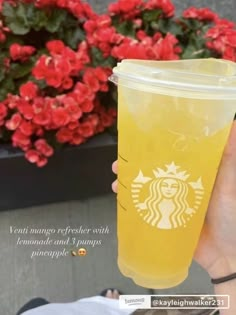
230 149
115 167
114 186
116 294
226 178
109 294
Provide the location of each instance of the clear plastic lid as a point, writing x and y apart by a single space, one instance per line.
208 78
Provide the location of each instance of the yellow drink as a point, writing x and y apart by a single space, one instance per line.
170 146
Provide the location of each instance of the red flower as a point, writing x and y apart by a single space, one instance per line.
42 162
229 53
201 14
222 39
83 93
129 9
25 109
55 47
62 64
59 69
44 148
73 125
81 10
42 118
3 29
77 138
14 122
230 38
102 74
223 23
32 156
141 35
87 106
60 117
3 111
41 66
54 79
22 53
130 50
20 140
165 49
26 128
90 26
2 37
86 129
104 47
90 79
101 21
67 83
29 90
101 34
165 5
53 70
64 135
105 34
82 55
74 111
45 3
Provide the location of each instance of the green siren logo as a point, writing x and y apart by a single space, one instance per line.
166 205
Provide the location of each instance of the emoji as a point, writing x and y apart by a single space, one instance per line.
82 252
73 253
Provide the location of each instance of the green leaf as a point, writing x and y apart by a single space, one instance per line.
8 10
37 18
169 26
151 15
21 12
7 86
99 60
30 11
72 37
193 25
40 21
18 28
16 18
189 52
21 70
126 28
55 20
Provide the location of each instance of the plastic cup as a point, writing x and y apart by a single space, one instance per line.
174 118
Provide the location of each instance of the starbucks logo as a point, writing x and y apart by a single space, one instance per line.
166 203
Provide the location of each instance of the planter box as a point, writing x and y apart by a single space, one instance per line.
72 174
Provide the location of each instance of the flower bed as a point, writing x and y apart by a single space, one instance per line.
56 57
